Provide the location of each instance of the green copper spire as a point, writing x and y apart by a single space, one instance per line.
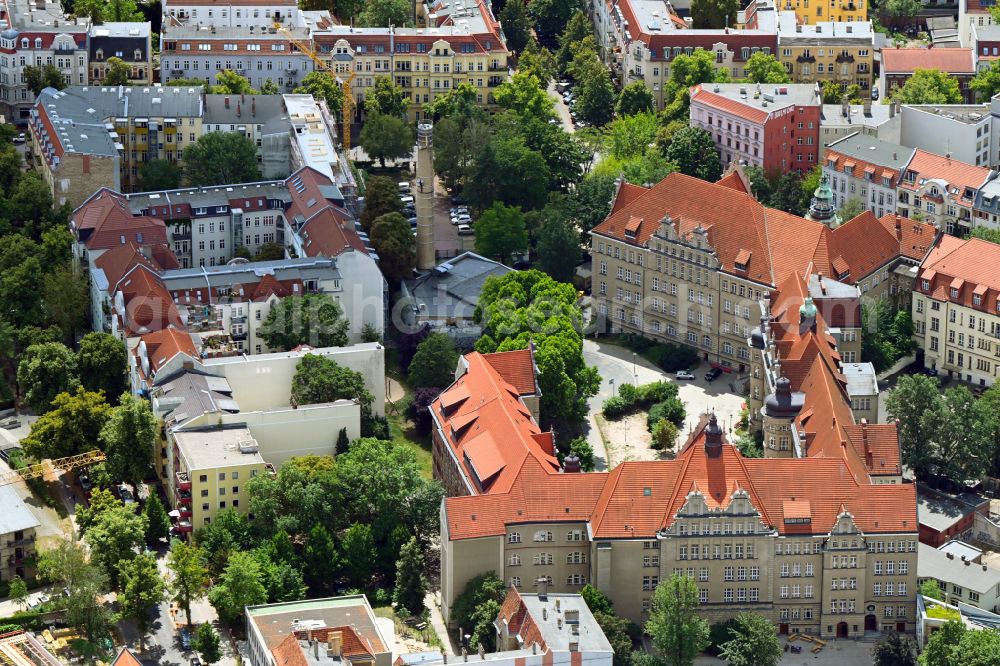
822 209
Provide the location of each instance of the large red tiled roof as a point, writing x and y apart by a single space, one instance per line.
722 103
163 345
489 431
771 244
289 653
126 658
971 266
120 261
949 60
517 369
105 221
956 174
148 306
638 499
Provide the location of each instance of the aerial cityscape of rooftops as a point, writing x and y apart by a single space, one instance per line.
538 332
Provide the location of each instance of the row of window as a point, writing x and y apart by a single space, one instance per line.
545 535
716 551
540 559
572 579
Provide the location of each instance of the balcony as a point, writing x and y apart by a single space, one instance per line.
183 526
183 481
26 541
184 497
64 50
240 319
182 235
239 336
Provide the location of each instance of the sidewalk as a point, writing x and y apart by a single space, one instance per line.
433 602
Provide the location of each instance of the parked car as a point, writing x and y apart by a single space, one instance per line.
20 138
464 230
930 372
126 495
413 221
185 638
684 374
461 219
404 187
713 374
8 453
406 200
195 661
85 483
457 201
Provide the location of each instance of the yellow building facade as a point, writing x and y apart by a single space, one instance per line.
810 12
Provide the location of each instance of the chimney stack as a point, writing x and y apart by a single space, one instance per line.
335 643
713 437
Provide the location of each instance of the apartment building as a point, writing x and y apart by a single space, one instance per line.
640 38
956 309
85 138
688 261
130 43
773 127
843 11
821 51
17 536
866 169
972 13
38 33
964 131
881 121
453 43
210 469
330 631
986 206
960 578
753 533
940 191
898 65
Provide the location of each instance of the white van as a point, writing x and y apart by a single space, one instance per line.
404 187
406 201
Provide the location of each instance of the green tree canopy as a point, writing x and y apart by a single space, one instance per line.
270 252
558 248
66 565
39 77
128 438
460 101
118 73
71 426
634 98
677 631
188 580
160 175
434 363
516 25
501 233
142 590
206 643
693 151
524 95
765 68
157 521
358 547
754 642
230 83
630 136
529 306
538 62
482 593
386 138
241 585
942 645
318 379
577 29
311 319
383 13
220 158
714 14
324 87
386 98
45 371
552 15
393 240
115 537
66 294
411 584
895 649
381 198
595 93
929 86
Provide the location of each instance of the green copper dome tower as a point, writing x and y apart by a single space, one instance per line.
822 209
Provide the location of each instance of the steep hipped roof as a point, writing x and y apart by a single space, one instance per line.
105 221
958 179
637 499
163 345
770 243
487 428
517 368
970 267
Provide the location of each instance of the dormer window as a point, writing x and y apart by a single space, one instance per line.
38 42
137 55
99 55
925 285
954 293
977 299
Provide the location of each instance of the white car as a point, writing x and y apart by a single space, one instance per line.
20 138
464 230
461 219
684 374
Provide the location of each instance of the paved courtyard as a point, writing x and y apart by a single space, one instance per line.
628 438
836 653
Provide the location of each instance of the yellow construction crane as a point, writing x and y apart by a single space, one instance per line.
345 84
48 468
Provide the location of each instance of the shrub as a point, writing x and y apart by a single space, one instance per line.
580 448
664 435
671 409
671 357
628 393
719 633
615 408
650 394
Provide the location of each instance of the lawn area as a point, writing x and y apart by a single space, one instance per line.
404 434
